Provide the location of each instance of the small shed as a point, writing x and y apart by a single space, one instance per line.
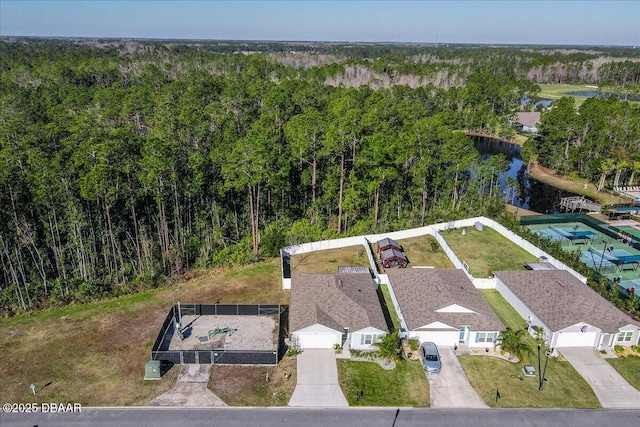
391 258
387 243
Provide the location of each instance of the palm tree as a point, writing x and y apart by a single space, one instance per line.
606 167
388 346
510 341
635 168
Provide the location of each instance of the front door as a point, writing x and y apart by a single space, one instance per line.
463 335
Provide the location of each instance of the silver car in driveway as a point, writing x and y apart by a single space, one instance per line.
430 357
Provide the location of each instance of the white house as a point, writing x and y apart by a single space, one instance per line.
330 309
569 312
442 306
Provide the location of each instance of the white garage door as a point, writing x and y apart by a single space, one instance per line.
318 339
440 338
576 339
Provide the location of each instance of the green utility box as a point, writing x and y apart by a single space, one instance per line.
152 370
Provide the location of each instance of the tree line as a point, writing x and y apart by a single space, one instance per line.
124 165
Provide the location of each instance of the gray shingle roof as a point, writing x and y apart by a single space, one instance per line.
386 242
561 300
420 292
335 300
391 253
530 119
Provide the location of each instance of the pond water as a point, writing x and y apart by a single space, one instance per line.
531 194
587 93
592 94
542 102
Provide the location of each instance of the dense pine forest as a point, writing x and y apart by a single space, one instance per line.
124 164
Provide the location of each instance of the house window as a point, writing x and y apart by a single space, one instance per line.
485 337
368 339
625 336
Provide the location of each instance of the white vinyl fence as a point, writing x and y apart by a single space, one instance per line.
432 230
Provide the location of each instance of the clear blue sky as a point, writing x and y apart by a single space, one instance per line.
577 22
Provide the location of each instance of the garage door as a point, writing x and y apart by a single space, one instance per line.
318 340
576 339
440 338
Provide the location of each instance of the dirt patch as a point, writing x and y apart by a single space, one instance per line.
244 385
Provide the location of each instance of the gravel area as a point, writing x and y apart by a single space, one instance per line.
244 333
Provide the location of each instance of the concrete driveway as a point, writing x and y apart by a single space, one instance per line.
317 384
191 389
610 388
450 388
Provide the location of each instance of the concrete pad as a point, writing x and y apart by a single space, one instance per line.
608 385
317 384
450 387
190 390
194 373
188 395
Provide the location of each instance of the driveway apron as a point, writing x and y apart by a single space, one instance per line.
317 384
610 388
450 388
191 389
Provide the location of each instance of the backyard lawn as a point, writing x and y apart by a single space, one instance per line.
565 388
418 251
486 250
327 261
406 385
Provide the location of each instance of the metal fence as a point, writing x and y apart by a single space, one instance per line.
160 349
596 224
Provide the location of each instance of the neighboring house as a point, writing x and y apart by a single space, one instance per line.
387 243
528 122
442 305
393 258
330 309
569 312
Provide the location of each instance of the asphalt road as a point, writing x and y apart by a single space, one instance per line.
280 417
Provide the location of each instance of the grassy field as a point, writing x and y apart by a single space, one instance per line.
486 250
243 385
565 388
327 261
558 90
418 251
94 354
406 385
574 185
629 368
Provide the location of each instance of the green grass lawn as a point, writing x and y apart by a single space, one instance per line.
406 385
507 315
329 260
573 184
388 306
565 388
629 368
418 251
486 250
558 90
